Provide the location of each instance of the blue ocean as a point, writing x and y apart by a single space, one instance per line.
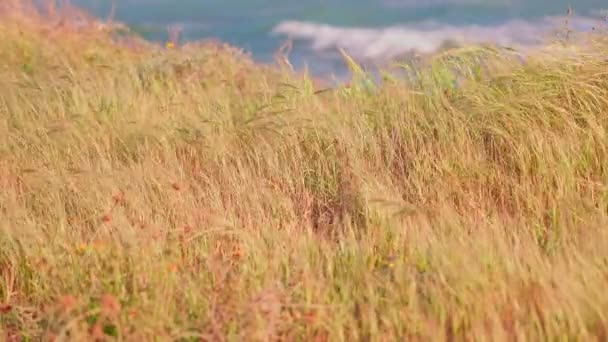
369 30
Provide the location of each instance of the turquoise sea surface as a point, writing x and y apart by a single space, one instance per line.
370 30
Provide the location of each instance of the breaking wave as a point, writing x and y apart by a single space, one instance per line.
376 44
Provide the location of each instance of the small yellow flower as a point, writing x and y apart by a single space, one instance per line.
170 45
82 248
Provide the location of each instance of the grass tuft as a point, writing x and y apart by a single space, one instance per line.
187 193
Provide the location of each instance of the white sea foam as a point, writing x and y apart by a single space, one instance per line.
377 44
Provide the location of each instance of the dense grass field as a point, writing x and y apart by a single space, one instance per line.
186 193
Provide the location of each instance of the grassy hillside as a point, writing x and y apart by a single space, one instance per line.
187 193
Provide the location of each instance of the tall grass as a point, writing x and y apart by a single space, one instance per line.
181 194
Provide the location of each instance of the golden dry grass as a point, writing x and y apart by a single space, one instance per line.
190 194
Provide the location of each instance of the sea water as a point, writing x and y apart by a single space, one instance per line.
369 30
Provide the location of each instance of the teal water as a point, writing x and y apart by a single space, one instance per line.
371 30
